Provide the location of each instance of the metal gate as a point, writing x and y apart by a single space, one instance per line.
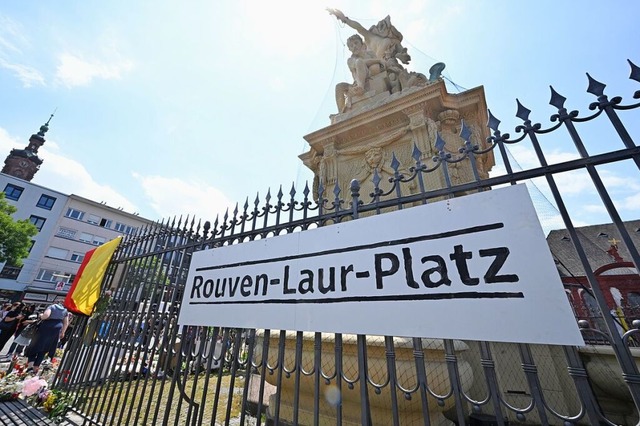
131 364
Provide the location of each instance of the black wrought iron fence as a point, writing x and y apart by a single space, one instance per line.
133 364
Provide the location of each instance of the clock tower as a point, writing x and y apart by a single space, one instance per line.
24 163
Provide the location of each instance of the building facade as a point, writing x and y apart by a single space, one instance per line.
610 262
43 207
70 226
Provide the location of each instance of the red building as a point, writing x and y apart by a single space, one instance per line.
610 261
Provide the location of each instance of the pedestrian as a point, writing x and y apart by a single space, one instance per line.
53 324
9 323
21 340
5 310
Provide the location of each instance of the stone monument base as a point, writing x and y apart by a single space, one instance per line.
409 408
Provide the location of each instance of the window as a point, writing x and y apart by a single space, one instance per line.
13 192
87 238
74 214
66 233
47 275
10 272
57 253
633 300
77 257
38 221
92 239
125 229
46 202
97 220
593 312
53 276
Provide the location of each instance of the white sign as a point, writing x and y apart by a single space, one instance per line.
475 267
36 296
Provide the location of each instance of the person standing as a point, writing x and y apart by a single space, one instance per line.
10 323
21 340
5 310
53 324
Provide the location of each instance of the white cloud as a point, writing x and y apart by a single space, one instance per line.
576 188
306 26
7 46
526 157
172 196
277 84
7 142
67 175
594 208
632 202
574 183
12 42
73 70
28 75
71 177
12 35
613 180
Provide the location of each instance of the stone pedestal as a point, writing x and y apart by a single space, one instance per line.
330 396
365 138
608 383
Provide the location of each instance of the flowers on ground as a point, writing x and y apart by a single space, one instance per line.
35 390
57 404
10 387
33 385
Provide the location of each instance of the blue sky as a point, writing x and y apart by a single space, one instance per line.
167 107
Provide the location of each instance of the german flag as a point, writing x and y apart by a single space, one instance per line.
85 290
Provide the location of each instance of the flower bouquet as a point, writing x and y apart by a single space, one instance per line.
54 402
10 387
32 386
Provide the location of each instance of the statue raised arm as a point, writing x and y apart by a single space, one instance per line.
363 64
353 24
380 38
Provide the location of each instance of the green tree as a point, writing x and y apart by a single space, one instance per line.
15 235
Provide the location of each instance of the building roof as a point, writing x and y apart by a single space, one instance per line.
602 245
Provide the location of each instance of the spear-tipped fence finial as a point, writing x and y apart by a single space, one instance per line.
635 71
416 154
439 142
395 164
557 100
635 75
523 112
336 190
493 123
465 132
595 87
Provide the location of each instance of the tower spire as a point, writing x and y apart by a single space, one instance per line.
45 127
24 163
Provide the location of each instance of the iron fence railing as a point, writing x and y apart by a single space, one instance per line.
132 364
